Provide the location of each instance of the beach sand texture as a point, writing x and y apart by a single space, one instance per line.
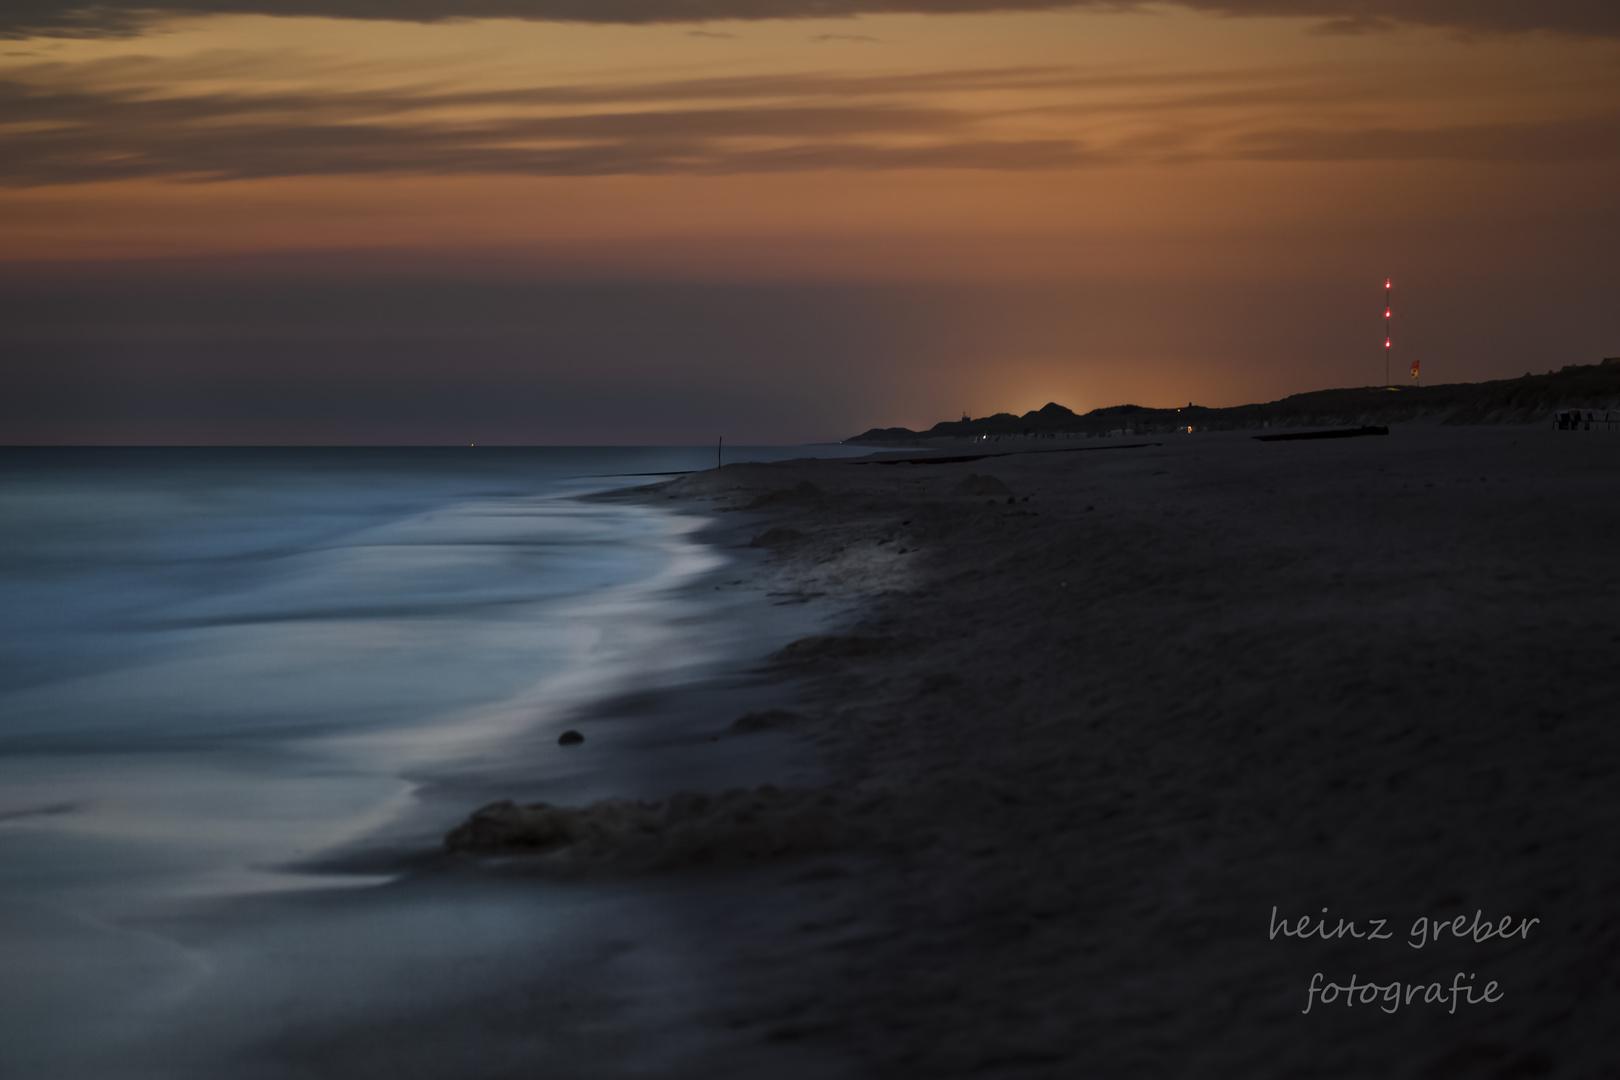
1088 734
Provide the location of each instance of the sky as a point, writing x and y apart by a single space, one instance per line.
544 222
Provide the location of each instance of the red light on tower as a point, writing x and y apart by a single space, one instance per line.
1389 332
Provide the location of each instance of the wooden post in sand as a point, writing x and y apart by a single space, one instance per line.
717 448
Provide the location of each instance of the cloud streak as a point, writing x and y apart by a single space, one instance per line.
1594 138
780 123
83 136
111 18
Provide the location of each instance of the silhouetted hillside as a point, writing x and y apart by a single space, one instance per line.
1525 400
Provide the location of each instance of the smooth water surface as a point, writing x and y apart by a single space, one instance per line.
214 663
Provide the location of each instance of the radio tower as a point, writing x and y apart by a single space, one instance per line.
1388 335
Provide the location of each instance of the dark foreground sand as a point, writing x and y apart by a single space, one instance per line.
1107 709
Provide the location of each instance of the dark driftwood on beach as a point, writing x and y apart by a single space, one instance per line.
1336 433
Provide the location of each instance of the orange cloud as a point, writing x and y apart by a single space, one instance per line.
127 17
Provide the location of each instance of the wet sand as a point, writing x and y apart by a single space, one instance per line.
1088 734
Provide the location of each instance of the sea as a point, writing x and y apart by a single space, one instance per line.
219 665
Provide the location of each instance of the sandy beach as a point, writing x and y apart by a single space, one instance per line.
736 539
1099 722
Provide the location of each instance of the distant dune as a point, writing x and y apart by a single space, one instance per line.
1526 400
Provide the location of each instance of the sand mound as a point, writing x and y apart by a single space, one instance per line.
802 492
768 720
833 647
777 537
684 830
975 484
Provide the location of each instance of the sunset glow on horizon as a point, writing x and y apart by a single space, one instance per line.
224 224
